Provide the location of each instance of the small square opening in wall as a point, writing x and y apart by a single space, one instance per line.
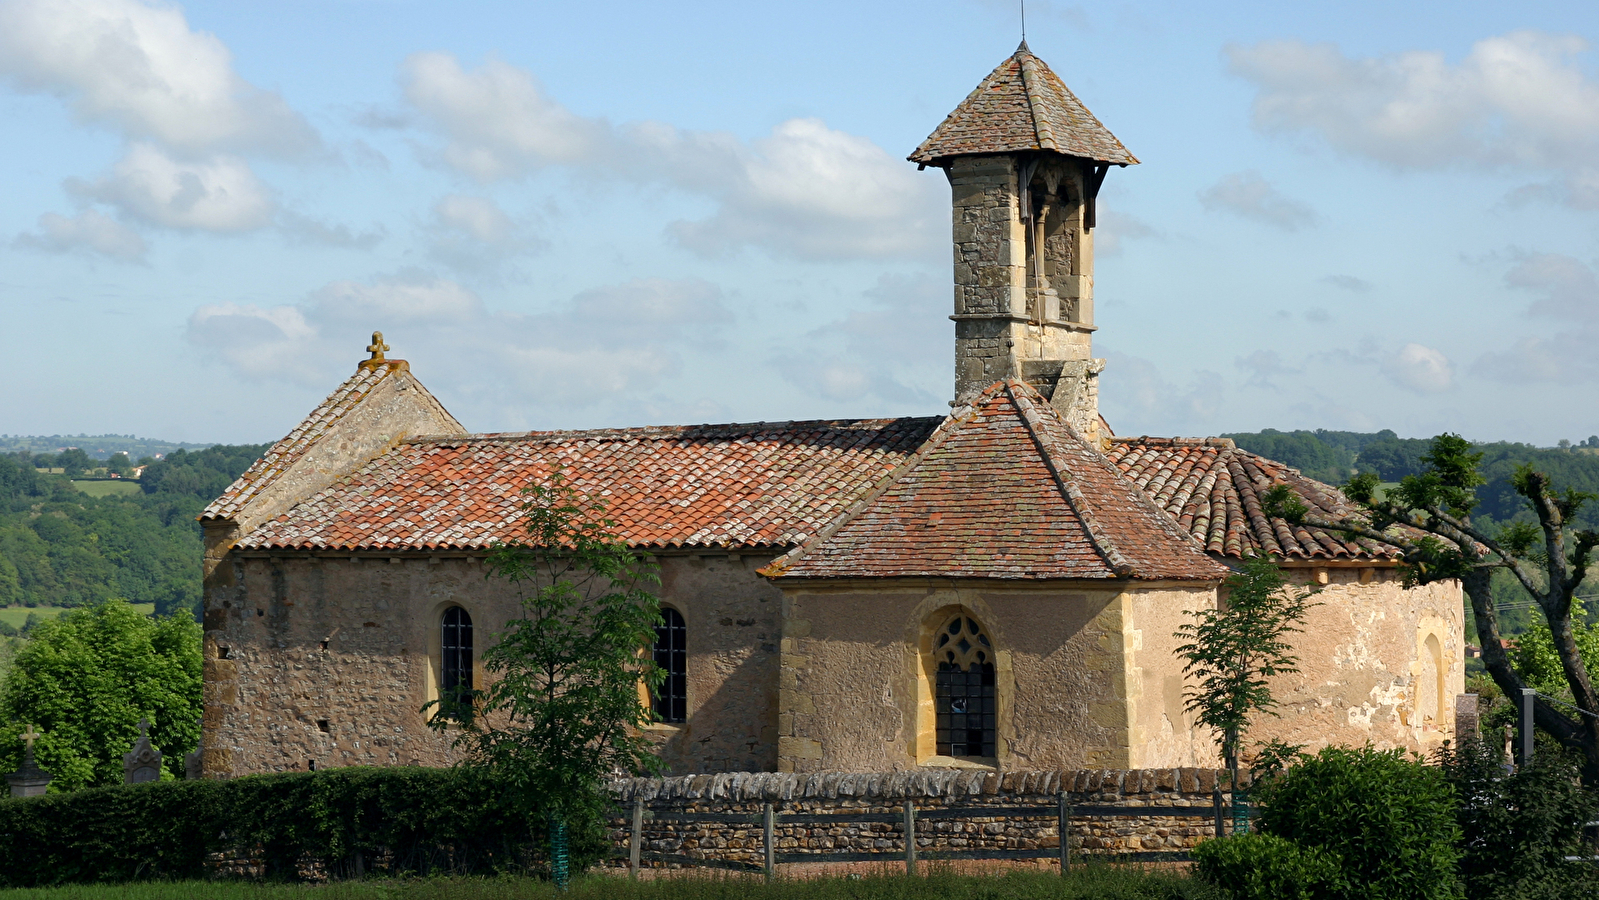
310 765
259 612
324 645
224 652
322 726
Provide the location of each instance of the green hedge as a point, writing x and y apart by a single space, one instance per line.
347 821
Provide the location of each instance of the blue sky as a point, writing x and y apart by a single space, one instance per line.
1349 216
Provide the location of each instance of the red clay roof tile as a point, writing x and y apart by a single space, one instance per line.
713 485
1213 490
1003 489
1022 105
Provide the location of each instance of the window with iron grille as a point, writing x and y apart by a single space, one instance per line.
963 689
670 700
455 647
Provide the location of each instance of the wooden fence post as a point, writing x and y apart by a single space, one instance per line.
635 843
910 837
769 839
1064 815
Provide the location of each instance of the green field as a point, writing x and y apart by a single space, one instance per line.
1099 883
15 616
122 487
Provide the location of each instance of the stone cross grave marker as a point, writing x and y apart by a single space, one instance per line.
29 780
143 763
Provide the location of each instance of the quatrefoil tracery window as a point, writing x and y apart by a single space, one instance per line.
964 689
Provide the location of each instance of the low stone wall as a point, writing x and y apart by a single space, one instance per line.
1148 796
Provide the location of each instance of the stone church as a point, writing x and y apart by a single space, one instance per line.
993 588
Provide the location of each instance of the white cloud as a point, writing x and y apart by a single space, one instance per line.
892 352
1137 398
1567 292
1348 283
477 216
1117 227
602 344
1518 99
498 119
472 234
1265 365
805 190
218 194
1419 368
89 230
1249 195
301 229
138 68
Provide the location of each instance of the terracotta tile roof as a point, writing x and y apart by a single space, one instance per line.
294 445
1022 105
731 485
1213 490
1003 489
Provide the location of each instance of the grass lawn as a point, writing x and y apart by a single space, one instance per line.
15 616
107 488
1094 883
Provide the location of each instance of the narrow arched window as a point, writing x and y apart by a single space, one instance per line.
670 700
455 647
964 689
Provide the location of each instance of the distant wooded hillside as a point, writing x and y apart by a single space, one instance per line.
62 547
97 446
1332 456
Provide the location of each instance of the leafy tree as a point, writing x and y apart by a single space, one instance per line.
86 679
1388 819
1428 518
1520 827
74 461
60 547
118 464
1235 650
563 710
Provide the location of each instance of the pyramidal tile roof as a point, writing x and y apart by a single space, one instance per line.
287 451
1022 105
763 484
1003 489
1213 489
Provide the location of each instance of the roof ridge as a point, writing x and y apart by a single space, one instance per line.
286 450
1041 126
1221 443
935 440
1138 494
664 430
1030 415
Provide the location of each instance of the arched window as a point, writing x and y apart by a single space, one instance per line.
963 689
455 646
670 700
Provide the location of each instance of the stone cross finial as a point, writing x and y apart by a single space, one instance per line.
29 736
377 347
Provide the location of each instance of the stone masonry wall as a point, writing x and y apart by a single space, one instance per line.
1149 795
328 659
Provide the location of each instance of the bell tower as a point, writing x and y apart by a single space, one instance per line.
1025 160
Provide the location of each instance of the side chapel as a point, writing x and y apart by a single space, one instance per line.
997 587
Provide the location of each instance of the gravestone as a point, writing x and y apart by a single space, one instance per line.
194 760
29 780
143 763
1467 720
